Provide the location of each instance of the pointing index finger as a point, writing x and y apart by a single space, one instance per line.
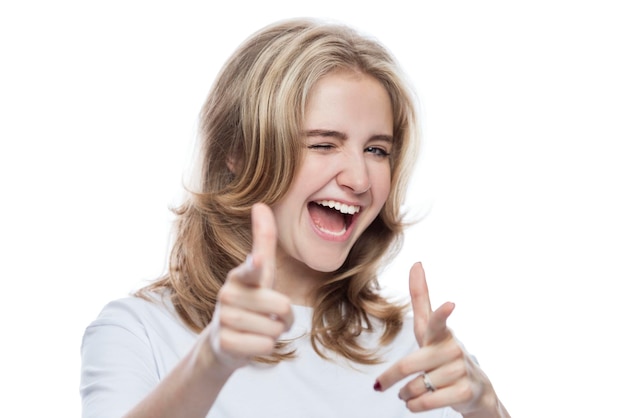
420 302
429 327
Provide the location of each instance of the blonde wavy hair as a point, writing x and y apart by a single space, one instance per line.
253 119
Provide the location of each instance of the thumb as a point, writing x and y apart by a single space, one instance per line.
264 241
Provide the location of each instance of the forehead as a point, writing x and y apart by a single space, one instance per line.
342 98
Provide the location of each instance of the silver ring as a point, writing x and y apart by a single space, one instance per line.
429 385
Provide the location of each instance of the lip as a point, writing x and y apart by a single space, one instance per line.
349 229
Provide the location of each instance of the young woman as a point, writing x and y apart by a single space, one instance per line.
270 306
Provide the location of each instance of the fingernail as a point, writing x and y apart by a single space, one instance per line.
249 262
377 386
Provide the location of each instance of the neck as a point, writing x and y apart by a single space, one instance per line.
298 281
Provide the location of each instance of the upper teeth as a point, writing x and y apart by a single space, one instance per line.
341 207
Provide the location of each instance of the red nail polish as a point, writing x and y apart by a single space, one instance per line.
377 386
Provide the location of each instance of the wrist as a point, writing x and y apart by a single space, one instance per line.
490 407
203 360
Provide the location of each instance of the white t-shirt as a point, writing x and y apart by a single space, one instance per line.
134 343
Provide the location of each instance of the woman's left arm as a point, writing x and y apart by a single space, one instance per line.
444 373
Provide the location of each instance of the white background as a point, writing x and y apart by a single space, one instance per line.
523 111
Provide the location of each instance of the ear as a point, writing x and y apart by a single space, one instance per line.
233 165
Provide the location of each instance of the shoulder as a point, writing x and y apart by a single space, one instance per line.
376 339
138 316
127 350
129 309
405 341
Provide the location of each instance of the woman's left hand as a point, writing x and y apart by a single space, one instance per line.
444 373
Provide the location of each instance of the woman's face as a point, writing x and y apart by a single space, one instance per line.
344 177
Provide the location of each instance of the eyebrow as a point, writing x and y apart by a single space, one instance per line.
327 133
340 135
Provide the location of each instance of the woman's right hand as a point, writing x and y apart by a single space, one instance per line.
250 316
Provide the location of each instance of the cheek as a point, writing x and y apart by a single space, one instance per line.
382 186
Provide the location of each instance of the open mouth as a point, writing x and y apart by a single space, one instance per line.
332 217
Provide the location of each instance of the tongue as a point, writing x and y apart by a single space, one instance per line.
326 219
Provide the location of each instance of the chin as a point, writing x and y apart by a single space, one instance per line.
328 266
325 268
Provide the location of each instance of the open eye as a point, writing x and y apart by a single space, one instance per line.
378 151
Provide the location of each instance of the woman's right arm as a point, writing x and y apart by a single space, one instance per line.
249 318
189 390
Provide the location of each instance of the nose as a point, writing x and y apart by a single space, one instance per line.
354 174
